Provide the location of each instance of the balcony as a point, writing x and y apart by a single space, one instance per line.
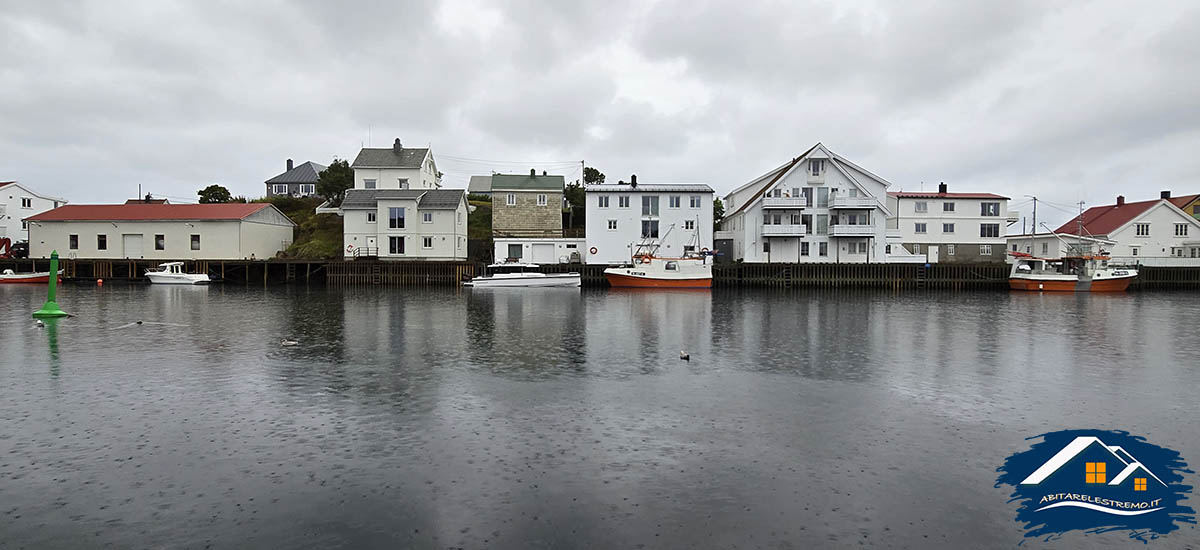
859 203
784 202
770 230
852 230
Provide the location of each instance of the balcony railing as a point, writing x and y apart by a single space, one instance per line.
841 201
785 202
772 230
852 230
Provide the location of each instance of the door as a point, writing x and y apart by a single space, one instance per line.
133 245
932 253
372 246
543 253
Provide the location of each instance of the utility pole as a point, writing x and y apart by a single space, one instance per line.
1034 232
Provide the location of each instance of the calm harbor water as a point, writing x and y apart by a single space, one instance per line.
445 418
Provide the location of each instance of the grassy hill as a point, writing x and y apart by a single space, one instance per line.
318 236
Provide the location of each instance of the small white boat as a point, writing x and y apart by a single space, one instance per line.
522 275
171 273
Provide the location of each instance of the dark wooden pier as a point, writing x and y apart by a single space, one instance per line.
992 276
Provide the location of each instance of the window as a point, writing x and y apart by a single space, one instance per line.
1095 472
767 246
541 200
623 202
920 207
989 230
822 197
949 250
370 217
1134 250
396 217
195 242
985 250
673 201
395 245
916 249
1143 229
777 192
612 225
308 188
862 247
1014 248
1045 249
368 184
919 227
73 242
279 188
649 206
822 249
947 228
807 221
816 166
649 229
803 248
689 224
402 183
26 202
1181 229
601 201
514 251
24 225
101 242
511 200
807 193
947 207
426 217
426 242
1139 484
672 266
989 209
822 224
694 201
160 242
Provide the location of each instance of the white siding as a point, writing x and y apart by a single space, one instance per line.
616 245
1162 218
447 229
219 240
12 211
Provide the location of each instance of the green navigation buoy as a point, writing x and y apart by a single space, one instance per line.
51 309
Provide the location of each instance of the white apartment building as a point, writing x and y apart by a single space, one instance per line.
18 202
951 227
677 218
818 207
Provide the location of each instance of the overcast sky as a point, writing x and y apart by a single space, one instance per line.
1069 101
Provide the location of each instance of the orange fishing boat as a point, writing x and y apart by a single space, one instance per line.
8 277
653 272
1085 273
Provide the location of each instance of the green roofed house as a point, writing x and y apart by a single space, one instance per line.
527 218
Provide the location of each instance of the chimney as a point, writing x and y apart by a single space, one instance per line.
289 164
543 172
396 147
1120 200
1165 194
942 188
532 173
633 180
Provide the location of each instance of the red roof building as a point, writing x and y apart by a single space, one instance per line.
1152 232
141 211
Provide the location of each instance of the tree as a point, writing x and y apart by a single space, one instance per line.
214 194
592 176
333 182
576 199
718 212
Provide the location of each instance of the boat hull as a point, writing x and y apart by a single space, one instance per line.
633 281
549 280
26 278
176 280
1058 285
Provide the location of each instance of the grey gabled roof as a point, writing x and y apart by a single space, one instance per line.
368 198
480 184
305 173
650 188
388 158
442 199
432 199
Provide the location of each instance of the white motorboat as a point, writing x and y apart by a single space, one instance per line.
522 275
171 273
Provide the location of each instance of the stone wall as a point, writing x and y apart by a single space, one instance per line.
526 217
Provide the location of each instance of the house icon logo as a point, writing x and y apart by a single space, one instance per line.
1098 481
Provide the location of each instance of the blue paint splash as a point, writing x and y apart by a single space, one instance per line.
1070 479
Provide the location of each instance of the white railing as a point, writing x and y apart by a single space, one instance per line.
784 202
852 230
1155 261
789 230
842 201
